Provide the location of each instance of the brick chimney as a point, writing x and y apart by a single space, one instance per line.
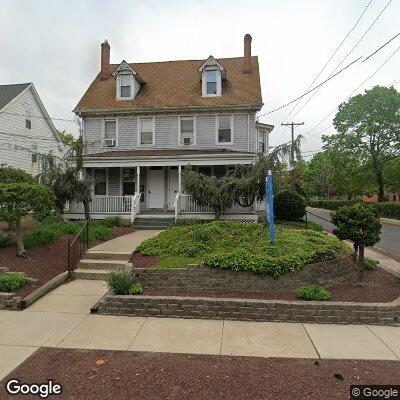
105 60
247 54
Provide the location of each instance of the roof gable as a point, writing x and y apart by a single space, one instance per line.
175 85
10 92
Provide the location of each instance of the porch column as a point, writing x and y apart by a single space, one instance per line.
137 179
179 179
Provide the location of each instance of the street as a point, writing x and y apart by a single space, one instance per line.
390 237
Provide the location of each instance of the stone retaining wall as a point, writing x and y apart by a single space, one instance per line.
252 310
9 301
202 278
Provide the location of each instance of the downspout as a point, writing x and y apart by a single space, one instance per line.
248 132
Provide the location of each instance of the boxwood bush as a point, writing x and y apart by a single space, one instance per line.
11 282
244 247
289 206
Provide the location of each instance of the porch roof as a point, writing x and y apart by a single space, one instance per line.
157 157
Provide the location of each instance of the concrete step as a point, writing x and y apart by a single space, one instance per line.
150 227
95 274
107 265
108 255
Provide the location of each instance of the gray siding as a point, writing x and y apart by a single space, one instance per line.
13 133
166 133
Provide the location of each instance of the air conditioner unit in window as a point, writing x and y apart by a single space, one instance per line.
187 141
110 142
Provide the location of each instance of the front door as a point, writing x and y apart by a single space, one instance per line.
173 186
156 187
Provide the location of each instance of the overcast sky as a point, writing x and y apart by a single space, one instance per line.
56 45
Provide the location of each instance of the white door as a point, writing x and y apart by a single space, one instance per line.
173 186
155 188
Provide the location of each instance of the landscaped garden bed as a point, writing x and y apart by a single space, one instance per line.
47 249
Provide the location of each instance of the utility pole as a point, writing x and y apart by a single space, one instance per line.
292 125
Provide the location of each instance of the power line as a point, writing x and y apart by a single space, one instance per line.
331 57
358 87
311 90
39 116
380 48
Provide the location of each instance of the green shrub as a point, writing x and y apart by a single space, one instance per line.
39 237
370 264
110 222
11 282
388 209
123 283
99 232
135 288
289 206
313 292
5 238
331 204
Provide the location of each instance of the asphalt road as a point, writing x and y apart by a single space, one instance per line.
390 237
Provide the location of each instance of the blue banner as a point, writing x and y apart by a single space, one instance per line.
269 206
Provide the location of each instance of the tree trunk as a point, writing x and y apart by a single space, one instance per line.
360 266
86 206
217 214
18 237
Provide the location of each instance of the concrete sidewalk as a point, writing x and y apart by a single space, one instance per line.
61 319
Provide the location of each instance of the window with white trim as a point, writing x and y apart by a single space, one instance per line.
125 85
100 182
186 134
146 131
110 133
262 141
28 119
128 181
211 81
224 129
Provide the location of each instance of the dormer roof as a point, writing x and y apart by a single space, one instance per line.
125 67
212 62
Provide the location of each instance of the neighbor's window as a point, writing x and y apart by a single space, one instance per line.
211 81
146 131
34 153
100 182
224 129
125 80
128 182
28 119
261 141
110 133
187 131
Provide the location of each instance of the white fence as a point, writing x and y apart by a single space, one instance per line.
106 205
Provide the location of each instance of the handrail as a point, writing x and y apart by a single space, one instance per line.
135 209
177 205
77 248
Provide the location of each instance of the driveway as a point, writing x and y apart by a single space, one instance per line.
390 238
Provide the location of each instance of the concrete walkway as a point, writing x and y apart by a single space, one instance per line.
61 319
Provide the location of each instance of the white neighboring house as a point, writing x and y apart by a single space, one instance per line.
26 130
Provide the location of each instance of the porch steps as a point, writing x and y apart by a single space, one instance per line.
153 223
95 274
108 265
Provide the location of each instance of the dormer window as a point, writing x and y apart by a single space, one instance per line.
212 73
125 82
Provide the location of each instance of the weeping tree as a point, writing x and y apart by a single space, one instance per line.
18 200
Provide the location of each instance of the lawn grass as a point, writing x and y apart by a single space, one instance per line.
239 246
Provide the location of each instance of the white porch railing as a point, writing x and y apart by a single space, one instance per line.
107 205
135 206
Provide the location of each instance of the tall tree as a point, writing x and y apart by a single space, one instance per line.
368 127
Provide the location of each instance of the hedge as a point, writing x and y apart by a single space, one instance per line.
387 209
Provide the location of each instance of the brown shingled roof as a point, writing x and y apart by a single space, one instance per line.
165 153
176 84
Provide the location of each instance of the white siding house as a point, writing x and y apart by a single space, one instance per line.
26 131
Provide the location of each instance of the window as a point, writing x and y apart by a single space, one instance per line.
211 81
100 182
261 141
110 133
28 119
125 81
34 152
128 182
186 131
224 129
146 132
206 170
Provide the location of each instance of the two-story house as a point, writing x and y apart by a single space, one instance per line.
144 122
26 130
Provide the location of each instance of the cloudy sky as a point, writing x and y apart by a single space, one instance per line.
56 45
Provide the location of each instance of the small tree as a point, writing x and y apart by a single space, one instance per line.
359 223
18 200
217 193
289 206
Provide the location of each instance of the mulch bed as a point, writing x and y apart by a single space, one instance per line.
46 262
110 375
379 286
